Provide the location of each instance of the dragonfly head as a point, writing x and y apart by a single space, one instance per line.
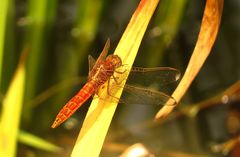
115 60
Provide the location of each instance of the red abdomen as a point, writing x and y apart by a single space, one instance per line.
73 104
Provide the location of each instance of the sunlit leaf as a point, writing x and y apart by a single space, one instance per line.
99 116
11 112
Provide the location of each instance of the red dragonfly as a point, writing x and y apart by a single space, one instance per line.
103 70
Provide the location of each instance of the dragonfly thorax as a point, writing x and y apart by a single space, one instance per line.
105 69
115 60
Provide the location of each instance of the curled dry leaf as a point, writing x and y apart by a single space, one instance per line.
208 32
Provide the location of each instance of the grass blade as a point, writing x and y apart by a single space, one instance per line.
36 142
99 116
11 112
4 5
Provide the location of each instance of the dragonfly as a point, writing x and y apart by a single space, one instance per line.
103 70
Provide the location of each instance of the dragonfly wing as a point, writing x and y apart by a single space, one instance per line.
155 77
91 63
104 52
101 57
138 95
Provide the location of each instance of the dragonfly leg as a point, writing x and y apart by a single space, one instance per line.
120 72
116 80
108 90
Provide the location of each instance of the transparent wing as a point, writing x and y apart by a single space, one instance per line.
91 63
101 57
104 52
149 86
140 96
143 96
157 77
141 85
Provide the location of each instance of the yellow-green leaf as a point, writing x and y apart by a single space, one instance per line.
36 142
11 112
100 113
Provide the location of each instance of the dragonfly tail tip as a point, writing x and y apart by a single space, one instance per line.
55 124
